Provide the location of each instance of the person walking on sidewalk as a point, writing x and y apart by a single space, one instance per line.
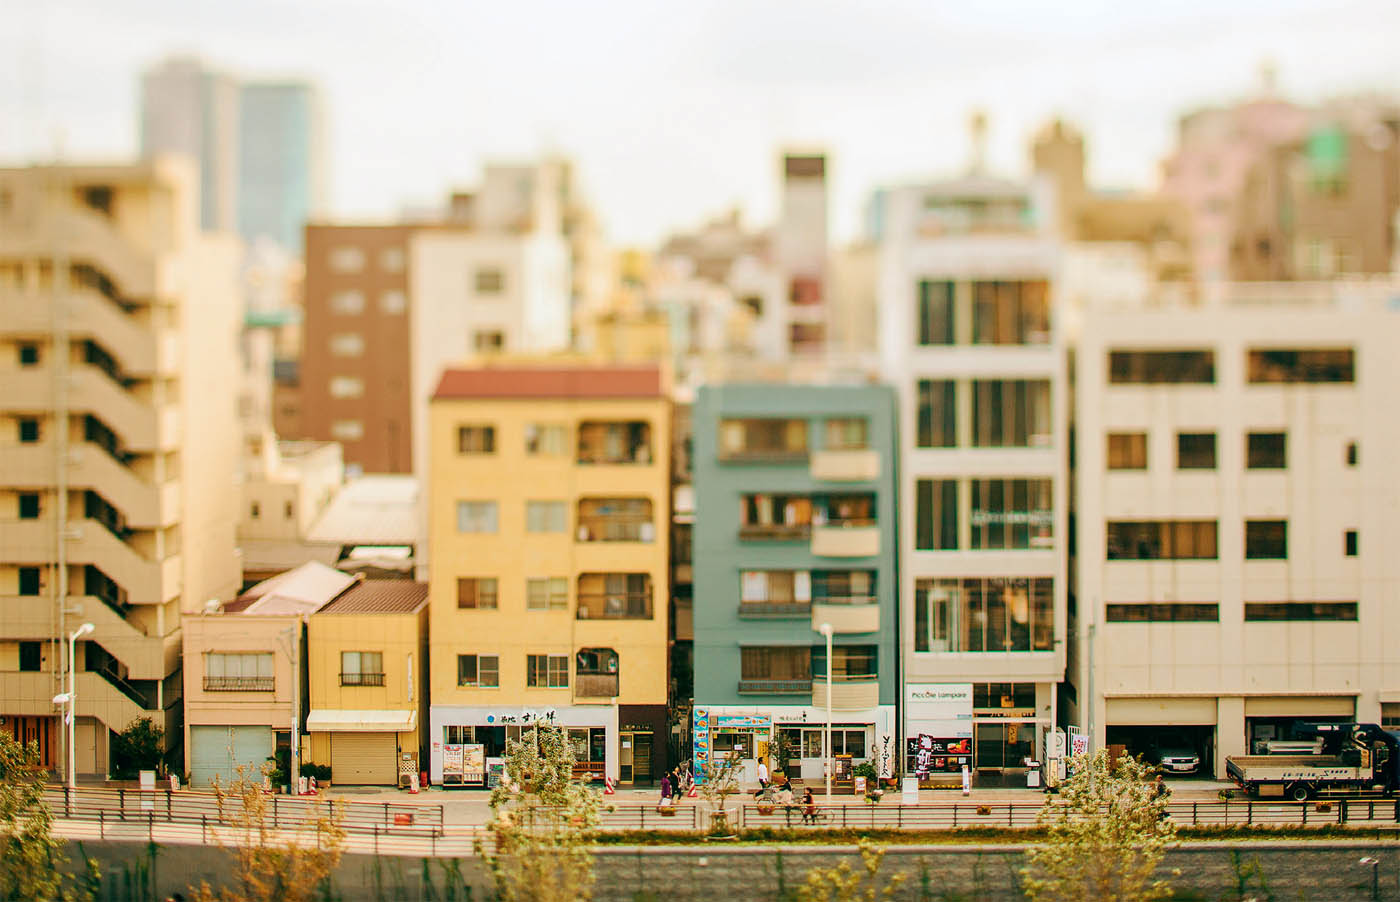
666 789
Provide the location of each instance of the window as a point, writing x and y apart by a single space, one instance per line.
347 344
852 509
477 592
846 434
348 303
485 341
770 439
361 668
28 430
347 430
936 313
1161 540
546 439
482 671
1266 540
792 587
287 510
347 387
1127 450
936 515
805 291
1299 610
615 520
476 516
1010 313
238 672
981 615
1164 612
347 259
776 662
1352 454
1161 367
547 671
392 303
1000 696
1011 513
476 439
627 442
844 586
614 596
29 580
1011 413
28 354
391 259
1266 451
29 656
937 414
546 516
99 197
490 280
28 506
1349 543
1195 450
1270 366
1390 717
806 336
547 594
848 662
254 511
766 516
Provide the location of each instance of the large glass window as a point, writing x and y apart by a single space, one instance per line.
1332 365
1010 413
1011 513
976 614
848 662
935 313
844 586
762 439
1161 367
936 515
937 414
1161 540
1265 540
1010 313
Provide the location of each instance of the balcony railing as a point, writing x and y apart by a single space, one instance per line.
764 456
845 599
774 609
776 687
595 685
362 679
616 529
238 683
775 532
614 606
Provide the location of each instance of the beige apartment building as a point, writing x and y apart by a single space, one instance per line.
118 442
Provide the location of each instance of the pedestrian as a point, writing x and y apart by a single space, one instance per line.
809 807
1160 791
666 790
762 775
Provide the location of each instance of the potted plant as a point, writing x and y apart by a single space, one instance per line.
721 782
873 792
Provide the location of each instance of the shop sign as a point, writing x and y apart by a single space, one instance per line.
452 760
524 717
885 753
1004 714
635 728
473 763
700 741
756 721
939 701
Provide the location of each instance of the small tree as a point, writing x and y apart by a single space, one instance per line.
721 782
32 862
542 817
1106 836
844 883
141 746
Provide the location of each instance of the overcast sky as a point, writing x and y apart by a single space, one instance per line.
676 111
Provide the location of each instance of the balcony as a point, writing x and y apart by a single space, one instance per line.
614 606
139 425
847 616
775 687
90 237
146 505
362 679
856 538
595 685
238 684
609 443
846 466
132 344
615 520
91 543
775 532
145 657
848 693
774 610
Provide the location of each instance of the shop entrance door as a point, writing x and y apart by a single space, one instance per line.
999 752
641 756
624 758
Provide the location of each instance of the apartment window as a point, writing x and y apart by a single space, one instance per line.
1349 543
1161 540
239 672
348 303
347 387
766 439
1272 366
476 516
547 671
30 656
1266 540
1390 716
476 439
546 439
937 414
1266 451
1163 612
481 671
1011 413
1299 610
1127 450
844 587
391 259
848 662
347 430
1000 696
28 430
1010 313
936 515
28 354
347 344
99 197
805 291
29 580
29 506
981 615
254 511
476 592
549 593
775 662
392 303
347 259
1195 450
486 341
490 280
768 516
614 596
846 434
806 336
775 587
625 442
936 313
1352 454
1161 367
615 520
546 516
1011 513
361 668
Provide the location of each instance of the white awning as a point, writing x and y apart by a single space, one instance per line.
340 721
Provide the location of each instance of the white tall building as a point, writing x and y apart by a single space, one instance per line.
966 269
1235 509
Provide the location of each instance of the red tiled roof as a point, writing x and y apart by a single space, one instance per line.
541 382
379 596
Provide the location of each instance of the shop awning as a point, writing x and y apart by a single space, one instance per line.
353 721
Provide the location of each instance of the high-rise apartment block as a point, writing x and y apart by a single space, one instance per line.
118 442
800 250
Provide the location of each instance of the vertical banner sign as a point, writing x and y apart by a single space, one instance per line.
886 757
700 730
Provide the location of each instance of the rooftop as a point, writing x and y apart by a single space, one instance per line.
299 591
380 596
371 510
551 382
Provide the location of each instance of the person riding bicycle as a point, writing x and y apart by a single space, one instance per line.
809 808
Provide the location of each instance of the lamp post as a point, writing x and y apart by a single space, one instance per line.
70 699
829 764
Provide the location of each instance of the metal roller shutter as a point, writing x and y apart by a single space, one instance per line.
217 751
364 759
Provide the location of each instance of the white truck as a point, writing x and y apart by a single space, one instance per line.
1356 759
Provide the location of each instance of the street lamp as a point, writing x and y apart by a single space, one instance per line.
70 699
826 746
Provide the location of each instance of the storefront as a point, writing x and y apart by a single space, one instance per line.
469 742
993 729
641 749
937 732
753 735
368 748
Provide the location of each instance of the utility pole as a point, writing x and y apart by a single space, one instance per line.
1093 701
58 427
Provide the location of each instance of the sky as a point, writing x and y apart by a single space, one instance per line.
677 112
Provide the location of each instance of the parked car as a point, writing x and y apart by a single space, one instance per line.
1178 759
